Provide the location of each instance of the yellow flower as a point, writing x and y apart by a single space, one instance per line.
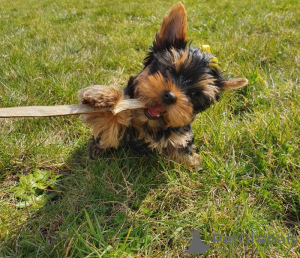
213 59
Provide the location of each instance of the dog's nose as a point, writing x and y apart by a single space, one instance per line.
168 98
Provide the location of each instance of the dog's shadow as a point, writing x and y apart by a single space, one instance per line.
120 175
106 190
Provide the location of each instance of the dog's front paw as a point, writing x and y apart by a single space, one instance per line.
95 150
100 96
190 160
193 160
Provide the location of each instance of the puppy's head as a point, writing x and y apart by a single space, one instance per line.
178 80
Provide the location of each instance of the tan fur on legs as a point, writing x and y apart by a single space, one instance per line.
106 125
110 127
191 160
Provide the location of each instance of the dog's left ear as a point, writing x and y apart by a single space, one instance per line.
232 84
173 31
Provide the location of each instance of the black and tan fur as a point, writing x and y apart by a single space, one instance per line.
178 81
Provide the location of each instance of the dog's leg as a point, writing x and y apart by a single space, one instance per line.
187 155
95 150
193 158
108 129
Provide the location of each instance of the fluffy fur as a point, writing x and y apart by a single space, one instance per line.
177 82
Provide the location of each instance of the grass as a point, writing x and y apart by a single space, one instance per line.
55 202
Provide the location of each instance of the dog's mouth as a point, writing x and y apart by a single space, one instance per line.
154 112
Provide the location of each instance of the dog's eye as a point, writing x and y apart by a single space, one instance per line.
193 94
168 70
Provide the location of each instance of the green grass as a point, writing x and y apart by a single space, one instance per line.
55 202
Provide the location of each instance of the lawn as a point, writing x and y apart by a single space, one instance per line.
56 202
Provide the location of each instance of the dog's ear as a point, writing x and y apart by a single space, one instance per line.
173 29
232 84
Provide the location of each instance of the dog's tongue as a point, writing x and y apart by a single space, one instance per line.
156 111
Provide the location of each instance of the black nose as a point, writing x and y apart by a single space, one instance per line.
168 98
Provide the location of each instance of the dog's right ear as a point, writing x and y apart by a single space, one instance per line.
233 84
173 31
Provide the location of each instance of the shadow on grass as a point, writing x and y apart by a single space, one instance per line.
94 206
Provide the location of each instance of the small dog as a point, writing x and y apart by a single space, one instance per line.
177 82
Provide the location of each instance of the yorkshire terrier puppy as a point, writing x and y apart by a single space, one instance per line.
177 82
